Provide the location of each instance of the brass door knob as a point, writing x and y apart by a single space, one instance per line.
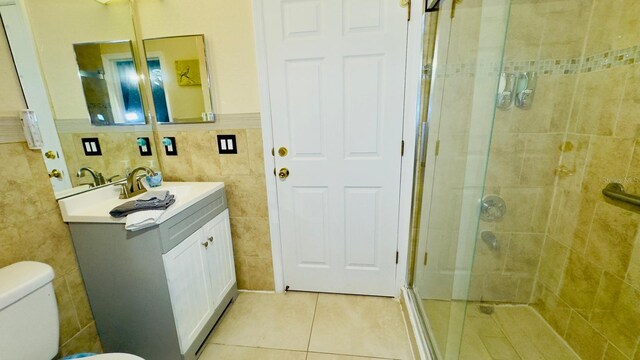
55 173
50 154
283 151
283 173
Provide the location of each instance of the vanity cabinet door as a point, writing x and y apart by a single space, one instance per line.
220 256
188 278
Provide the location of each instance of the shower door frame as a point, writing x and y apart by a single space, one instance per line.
420 322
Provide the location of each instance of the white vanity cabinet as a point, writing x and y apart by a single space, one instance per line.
158 292
220 253
200 272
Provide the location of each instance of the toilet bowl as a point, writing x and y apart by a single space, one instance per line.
114 356
29 326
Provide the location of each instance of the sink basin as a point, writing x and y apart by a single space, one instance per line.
94 206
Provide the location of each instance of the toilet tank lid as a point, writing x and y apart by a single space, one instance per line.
21 279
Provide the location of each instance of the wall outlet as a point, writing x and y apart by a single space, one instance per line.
144 145
170 147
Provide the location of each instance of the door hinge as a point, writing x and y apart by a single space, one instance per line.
437 147
453 7
407 4
402 148
426 258
397 257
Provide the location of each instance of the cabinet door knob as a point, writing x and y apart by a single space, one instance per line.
206 244
210 238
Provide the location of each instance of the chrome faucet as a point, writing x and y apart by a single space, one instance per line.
134 186
98 179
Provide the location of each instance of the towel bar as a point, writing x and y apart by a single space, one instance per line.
616 191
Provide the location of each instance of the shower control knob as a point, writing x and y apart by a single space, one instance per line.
493 208
491 240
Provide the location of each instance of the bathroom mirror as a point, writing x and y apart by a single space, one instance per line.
110 82
179 79
85 50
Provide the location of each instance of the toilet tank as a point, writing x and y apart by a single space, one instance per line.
28 312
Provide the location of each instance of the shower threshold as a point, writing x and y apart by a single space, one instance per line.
494 332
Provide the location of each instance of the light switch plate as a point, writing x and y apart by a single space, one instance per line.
227 144
91 146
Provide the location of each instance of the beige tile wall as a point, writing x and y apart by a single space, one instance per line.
243 174
588 283
117 147
525 149
32 229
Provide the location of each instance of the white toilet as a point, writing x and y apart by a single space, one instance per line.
29 314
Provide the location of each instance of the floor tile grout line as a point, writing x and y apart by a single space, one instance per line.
256 347
349 355
302 351
315 311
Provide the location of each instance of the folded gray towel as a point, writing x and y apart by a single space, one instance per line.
154 195
152 200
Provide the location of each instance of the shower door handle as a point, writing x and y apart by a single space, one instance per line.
423 143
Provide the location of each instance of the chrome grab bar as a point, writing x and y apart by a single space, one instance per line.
616 191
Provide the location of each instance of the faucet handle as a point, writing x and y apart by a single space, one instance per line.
110 179
139 181
124 191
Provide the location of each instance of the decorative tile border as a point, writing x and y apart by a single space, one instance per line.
611 59
547 67
597 62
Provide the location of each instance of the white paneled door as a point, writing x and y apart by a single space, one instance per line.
336 71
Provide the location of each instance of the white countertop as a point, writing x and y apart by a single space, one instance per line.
94 206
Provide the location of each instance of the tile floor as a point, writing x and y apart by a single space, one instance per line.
510 333
299 326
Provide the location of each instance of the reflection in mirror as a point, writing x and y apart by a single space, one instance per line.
82 36
179 79
110 83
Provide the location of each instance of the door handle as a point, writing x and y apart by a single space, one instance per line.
283 173
55 173
210 238
283 151
205 244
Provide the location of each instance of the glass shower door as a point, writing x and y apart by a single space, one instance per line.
451 163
